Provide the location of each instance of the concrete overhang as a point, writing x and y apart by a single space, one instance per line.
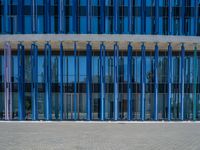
96 39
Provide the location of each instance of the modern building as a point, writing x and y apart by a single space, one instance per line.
100 60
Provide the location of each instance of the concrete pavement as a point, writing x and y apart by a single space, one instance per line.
99 136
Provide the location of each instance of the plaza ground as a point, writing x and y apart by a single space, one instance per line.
99 136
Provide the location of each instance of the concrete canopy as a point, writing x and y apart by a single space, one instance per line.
96 39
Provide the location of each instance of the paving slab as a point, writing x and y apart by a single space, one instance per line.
99 136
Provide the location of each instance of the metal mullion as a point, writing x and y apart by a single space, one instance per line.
89 15
61 16
130 12
46 80
169 17
89 87
196 17
156 82
21 107
34 90
169 80
32 82
78 81
61 81
143 76
34 16
102 16
195 69
143 18
156 16
116 86
67 62
182 80
102 80
75 82
129 85
50 81
116 17
7 82
48 115
182 17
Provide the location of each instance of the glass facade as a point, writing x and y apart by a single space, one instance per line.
41 82
163 17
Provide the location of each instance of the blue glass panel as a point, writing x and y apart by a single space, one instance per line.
27 2
125 25
27 20
149 2
160 25
125 2
137 25
40 2
94 21
70 69
149 25
94 2
40 27
82 69
52 30
41 69
83 25
83 2
137 2
70 24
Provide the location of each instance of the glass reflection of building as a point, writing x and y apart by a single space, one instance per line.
82 85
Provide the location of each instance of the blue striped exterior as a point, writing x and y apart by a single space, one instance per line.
100 17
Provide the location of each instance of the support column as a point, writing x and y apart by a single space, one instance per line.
74 16
89 81
129 83
7 81
182 17
182 80
75 82
21 102
102 13
156 82
89 15
20 16
61 16
143 82
47 16
102 80
169 81
169 17
195 69
116 89
61 81
116 17
130 12
34 16
157 17
47 72
34 84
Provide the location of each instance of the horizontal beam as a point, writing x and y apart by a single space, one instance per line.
99 37
96 40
